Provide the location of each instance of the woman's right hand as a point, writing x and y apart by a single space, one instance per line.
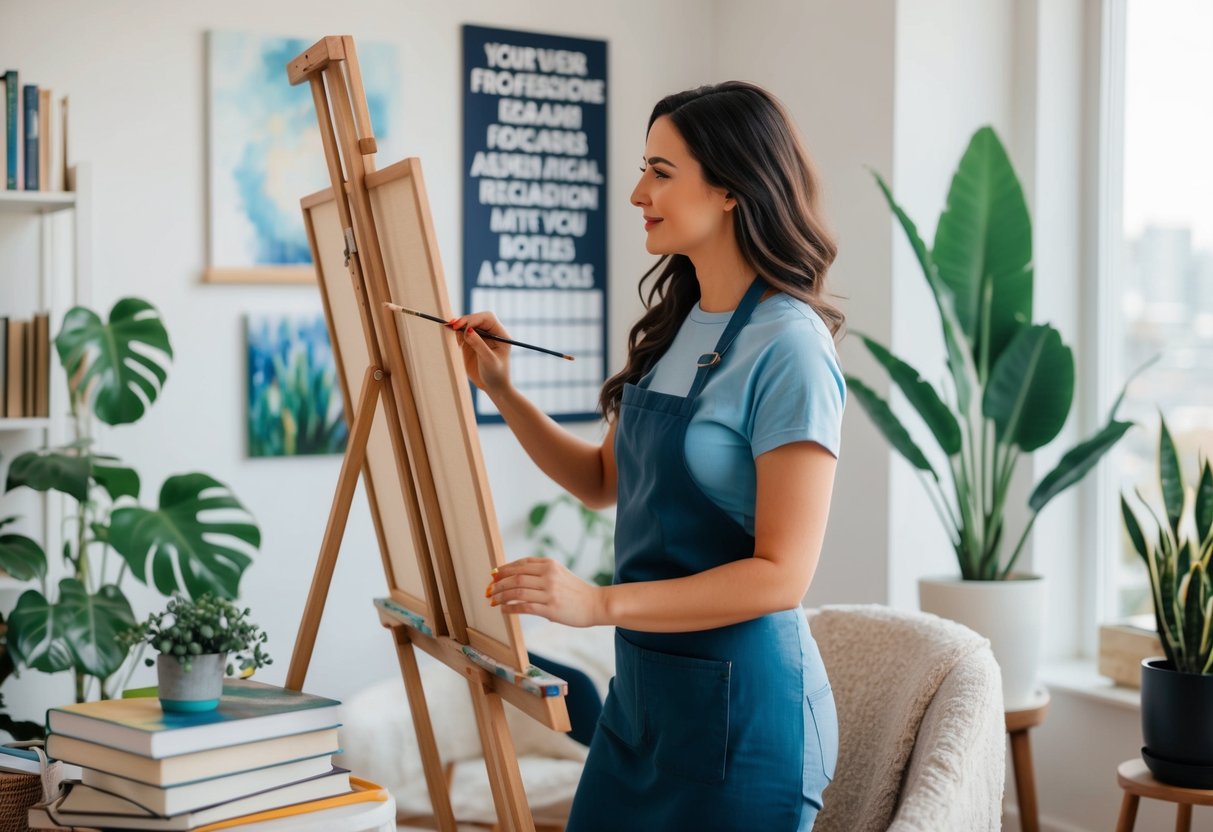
487 362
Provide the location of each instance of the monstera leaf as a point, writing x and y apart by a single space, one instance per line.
20 556
35 634
183 545
68 470
121 363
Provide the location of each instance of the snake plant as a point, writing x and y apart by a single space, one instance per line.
1009 381
1178 563
197 539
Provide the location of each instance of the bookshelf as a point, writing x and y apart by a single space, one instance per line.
45 237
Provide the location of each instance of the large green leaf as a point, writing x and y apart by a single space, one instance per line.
47 469
1203 510
117 480
1134 530
983 249
184 538
953 335
1170 478
90 625
35 635
20 556
1031 388
922 396
880 413
124 360
1076 462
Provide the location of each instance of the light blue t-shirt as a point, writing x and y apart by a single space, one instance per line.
779 382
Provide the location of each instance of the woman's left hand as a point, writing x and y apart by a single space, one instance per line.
544 587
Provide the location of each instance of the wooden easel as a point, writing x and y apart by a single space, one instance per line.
436 623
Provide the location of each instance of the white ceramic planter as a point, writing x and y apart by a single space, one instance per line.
1009 613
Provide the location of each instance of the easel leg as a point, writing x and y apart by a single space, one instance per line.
435 776
351 466
513 812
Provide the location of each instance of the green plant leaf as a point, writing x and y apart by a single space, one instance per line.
535 518
90 624
922 396
1134 530
1203 510
117 480
179 537
1031 388
47 469
22 557
1076 462
983 249
1170 477
124 360
1193 618
959 352
35 636
888 424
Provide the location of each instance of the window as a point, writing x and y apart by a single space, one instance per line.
1156 258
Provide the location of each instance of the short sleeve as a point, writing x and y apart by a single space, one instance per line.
799 392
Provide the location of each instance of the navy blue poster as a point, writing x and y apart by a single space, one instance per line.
534 209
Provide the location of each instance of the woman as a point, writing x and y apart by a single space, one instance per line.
721 447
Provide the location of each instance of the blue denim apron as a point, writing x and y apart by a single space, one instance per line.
730 728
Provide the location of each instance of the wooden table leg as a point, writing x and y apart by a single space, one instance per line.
1183 818
1128 813
1025 781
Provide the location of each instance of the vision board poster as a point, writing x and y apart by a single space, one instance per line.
534 209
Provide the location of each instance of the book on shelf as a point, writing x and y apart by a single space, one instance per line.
248 711
199 765
31 121
85 806
42 364
189 797
14 370
12 136
49 816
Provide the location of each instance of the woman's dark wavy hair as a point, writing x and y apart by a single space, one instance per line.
746 143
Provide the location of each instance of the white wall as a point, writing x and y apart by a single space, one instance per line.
135 71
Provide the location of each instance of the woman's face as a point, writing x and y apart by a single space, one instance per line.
682 212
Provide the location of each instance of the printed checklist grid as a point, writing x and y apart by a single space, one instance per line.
565 320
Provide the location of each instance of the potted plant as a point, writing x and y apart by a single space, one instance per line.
1011 386
199 641
1177 691
197 539
595 536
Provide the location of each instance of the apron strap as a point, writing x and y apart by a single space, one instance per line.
741 316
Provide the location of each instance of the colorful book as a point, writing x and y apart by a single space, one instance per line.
248 711
44 140
201 765
190 797
30 117
85 806
361 791
11 133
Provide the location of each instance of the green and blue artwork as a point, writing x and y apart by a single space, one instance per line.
265 151
294 397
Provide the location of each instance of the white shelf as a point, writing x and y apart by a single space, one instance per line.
31 423
36 202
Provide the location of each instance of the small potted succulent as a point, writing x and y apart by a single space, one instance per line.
199 641
1177 691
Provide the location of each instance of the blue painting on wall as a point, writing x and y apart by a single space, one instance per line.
294 399
265 150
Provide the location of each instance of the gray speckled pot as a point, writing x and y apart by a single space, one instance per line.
198 690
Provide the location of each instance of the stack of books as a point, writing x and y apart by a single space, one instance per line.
33 136
25 367
263 750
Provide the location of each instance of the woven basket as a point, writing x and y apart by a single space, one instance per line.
18 792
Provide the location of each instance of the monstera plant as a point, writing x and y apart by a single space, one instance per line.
1011 380
196 539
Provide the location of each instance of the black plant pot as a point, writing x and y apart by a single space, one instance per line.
1177 725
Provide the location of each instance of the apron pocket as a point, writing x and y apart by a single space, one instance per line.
620 715
686 714
825 725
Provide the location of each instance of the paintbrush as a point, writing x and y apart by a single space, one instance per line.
480 332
